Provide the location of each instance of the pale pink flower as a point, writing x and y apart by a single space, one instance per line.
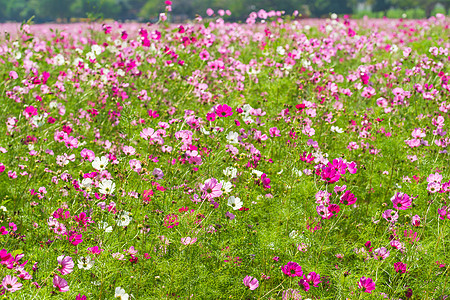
188 240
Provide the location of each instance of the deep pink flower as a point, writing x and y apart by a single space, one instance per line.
348 198
304 285
401 201
95 250
211 117
330 175
366 284
251 283
313 278
3 230
4 256
75 239
400 267
265 181
223 110
339 165
153 113
171 220
292 269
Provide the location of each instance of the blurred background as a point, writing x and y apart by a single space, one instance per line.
148 10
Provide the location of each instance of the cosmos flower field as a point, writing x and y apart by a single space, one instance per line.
274 159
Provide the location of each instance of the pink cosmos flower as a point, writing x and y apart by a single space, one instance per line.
60 284
11 284
66 263
366 284
211 189
135 165
352 168
442 212
415 221
292 269
397 245
87 154
251 283
188 240
171 220
147 133
433 187
390 215
129 150
381 253
323 212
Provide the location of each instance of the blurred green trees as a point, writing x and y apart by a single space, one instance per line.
144 10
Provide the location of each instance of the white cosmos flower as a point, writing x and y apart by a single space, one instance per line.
297 172
248 119
86 184
124 219
85 263
232 137
230 172
257 173
107 187
120 293
235 202
247 108
280 50
204 131
100 163
104 225
226 186
336 129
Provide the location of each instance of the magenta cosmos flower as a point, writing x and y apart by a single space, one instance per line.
400 267
10 284
251 283
366 284
313 278
292 269
223 110
401 201
211 189
66 263
60 284
348 198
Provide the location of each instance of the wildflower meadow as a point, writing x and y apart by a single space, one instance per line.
278 158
